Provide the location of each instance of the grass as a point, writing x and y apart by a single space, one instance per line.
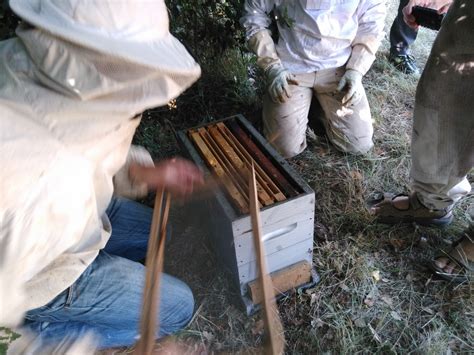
376 294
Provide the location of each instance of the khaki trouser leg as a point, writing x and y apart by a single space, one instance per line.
443 126
284 124
349 129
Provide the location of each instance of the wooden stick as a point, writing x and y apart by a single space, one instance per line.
261 159
218 170
242 169
229 169
262 178
275 342
154 266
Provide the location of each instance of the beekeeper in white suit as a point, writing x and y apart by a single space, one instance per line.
325 47
72 87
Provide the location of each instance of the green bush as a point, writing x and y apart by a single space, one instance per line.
211 31
8 21
207 27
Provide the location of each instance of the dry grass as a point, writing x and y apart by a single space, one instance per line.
375 294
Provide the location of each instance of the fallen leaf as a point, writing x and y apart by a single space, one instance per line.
376 275
379 151
360 322
428 310
398 244
313 299
395 315
369 301
317 323
423 242
387 300
356 175
208 336
321 232
344 287
374 333
258 327
329 335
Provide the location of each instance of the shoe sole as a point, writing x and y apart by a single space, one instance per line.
438 222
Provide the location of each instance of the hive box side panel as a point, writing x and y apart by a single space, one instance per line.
222 239
278 239
220 216
302 251
294 208
284 224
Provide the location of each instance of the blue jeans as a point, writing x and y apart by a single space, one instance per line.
401 35
107 299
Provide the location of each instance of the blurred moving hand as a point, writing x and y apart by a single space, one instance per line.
178 176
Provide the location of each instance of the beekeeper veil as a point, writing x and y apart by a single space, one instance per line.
94 48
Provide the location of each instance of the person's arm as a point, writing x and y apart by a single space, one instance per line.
256 16
442 6
369 35
124 186
371 15
178 176
259 40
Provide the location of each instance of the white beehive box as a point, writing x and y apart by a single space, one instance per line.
287 226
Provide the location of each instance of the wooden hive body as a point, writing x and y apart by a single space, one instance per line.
287 226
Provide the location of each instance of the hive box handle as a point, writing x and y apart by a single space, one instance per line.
279 232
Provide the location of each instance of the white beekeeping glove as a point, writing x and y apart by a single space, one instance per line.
278 78
351 82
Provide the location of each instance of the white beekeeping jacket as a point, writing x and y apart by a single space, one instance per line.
67 118
321 34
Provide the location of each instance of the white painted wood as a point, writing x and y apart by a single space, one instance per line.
303 204
276 261
287 226
276 238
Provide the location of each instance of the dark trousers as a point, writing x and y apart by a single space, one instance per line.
401 35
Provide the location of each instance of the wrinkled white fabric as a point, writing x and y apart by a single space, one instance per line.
348 128
320 34
133 30
124 186
261 43
67 118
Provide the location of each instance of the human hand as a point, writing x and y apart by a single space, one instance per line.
178 176
278 83
351 82
442 6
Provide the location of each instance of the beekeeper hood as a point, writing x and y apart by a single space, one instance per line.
92 48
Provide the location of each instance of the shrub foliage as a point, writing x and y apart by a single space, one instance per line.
207 27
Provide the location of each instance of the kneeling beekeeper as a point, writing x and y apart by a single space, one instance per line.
324 49
72 87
